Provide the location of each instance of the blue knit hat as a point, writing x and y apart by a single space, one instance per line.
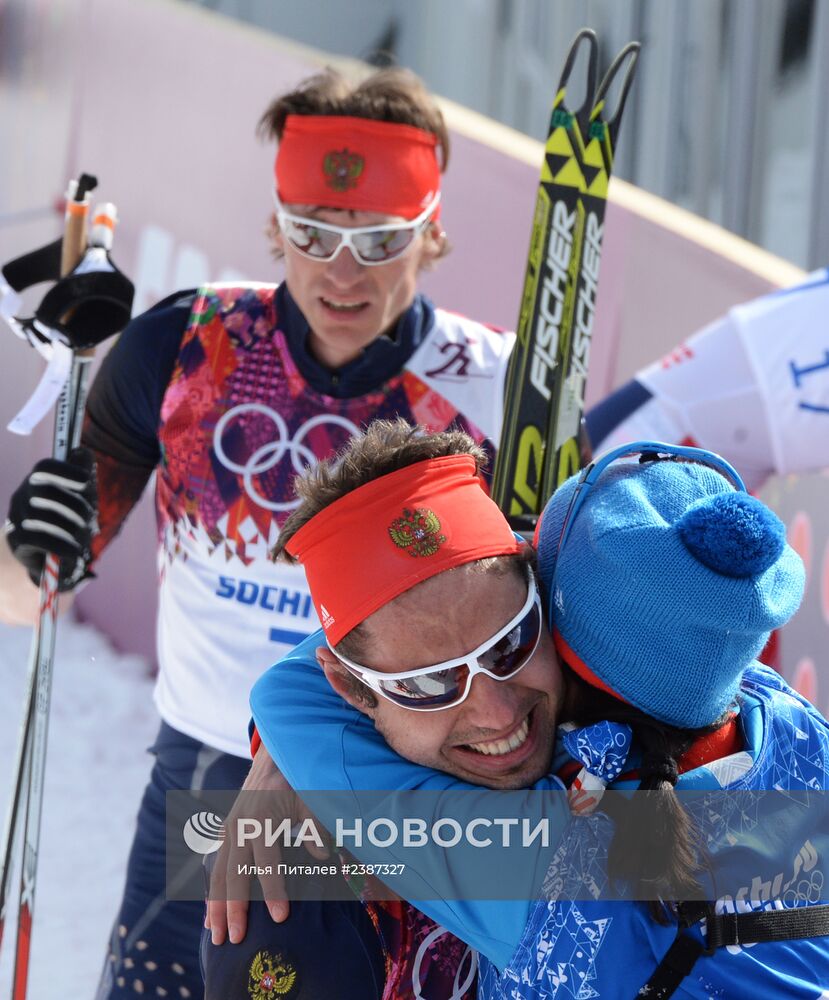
667 585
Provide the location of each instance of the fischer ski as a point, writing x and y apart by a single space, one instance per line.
559 288
562 454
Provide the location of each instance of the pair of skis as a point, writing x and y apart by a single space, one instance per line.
544 398
89 280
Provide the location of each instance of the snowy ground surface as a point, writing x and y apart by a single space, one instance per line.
102 721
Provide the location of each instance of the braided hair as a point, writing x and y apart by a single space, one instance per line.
655 848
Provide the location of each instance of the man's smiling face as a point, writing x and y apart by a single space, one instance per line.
502 734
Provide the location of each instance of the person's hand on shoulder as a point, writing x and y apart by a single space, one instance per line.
265 796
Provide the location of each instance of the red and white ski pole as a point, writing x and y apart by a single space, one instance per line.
68 419
72 248
31 756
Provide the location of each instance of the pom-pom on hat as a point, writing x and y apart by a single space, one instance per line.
666 586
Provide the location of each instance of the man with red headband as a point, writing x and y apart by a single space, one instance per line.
226 393
412 515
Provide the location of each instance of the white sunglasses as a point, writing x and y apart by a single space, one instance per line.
447 684
370 245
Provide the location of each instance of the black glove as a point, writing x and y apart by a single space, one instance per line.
55 511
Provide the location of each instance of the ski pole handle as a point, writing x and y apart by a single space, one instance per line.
74 225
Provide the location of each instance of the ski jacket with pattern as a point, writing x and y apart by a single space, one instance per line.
227 413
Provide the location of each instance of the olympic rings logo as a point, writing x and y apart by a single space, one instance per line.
468 963
272 453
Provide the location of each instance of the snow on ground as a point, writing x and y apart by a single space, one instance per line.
102 721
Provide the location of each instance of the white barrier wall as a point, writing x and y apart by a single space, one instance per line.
164 103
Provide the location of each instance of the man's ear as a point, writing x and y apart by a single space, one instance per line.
434 246
341 681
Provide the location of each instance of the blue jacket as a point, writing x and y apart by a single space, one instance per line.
588 949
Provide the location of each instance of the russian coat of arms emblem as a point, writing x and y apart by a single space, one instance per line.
270 976
417 531
342 169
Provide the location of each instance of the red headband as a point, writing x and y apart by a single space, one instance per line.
381 539
333 161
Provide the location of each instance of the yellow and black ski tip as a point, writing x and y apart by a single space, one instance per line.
560 115
606 127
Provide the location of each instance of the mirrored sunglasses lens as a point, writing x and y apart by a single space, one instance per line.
382 245
443 687
310 239
513 650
